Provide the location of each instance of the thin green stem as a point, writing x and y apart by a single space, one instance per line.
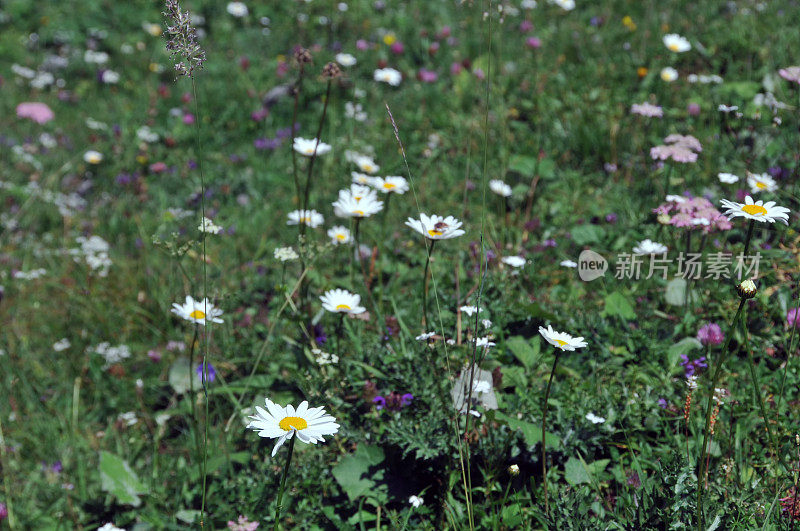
12 521
296 90
544 428
757 387
279 505
313 158
748 238
429 250
714 379
789 350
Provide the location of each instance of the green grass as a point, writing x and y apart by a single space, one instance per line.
554 116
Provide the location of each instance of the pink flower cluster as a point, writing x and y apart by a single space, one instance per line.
695 212
790 73
647 109
680 148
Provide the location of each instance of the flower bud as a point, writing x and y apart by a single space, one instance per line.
513 470
747 289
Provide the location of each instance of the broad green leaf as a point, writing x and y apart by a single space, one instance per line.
188 516
684 346
353 472
575 473
527 352
587 234
118 479
532 433
617 304
676 292
522 164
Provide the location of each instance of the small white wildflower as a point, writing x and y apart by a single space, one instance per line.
209 227
416 501
594 419
470 310
61 345
425 336
128 418
285 254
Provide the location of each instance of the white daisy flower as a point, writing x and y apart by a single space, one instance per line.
93 157
669 74
568 263
650 247
361 178
514 261
351 204
388 75
416 501
366 164
209 227
676 198
345 59
237 9
500 188
342 301
760 211
595 419
98 58
436 227
761 182
560 339
359 192
110 77
485 342
312 218
282 423
339 235
199 312
390 184
727 178
676 43
470 310
306 147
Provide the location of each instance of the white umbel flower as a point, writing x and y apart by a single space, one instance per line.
500 188
727 178
342 301
199 312
513 261
561 340
650 247
761 182
345 59
339 235
312 218
760 211
282 423
388 75
306 147
209 227
676 43
390 184
436 227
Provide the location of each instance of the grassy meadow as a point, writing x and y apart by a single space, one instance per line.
399 265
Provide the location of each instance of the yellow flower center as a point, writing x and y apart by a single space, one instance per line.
434 232
343 307
357 198
755 210
305 219
368 168
309 151
760 185
560 342
389 186
293 423
674 46
197 314
341 237
359 212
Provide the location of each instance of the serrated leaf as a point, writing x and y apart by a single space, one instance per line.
617 304
119 479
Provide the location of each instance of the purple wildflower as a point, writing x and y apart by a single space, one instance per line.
210 372
710 334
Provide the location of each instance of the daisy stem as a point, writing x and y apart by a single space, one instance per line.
425 283
757 387
296 90
789 350
748 238
279 505
544 427
714 379
307 192
12 523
